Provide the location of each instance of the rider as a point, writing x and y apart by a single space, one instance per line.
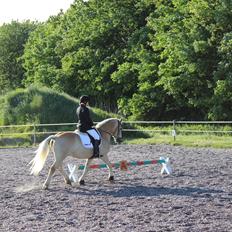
85 124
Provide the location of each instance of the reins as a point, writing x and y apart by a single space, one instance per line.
109 133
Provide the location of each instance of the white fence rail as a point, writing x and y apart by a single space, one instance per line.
6 131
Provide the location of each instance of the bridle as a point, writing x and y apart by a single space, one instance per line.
116 139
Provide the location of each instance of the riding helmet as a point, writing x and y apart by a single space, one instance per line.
84 99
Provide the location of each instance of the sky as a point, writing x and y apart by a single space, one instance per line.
39 10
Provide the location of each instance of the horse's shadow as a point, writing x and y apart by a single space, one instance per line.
146 191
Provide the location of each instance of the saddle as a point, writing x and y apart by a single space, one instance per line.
85 139
91 139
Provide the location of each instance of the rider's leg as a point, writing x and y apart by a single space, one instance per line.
95 139
96 148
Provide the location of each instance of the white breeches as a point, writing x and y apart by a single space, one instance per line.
94 134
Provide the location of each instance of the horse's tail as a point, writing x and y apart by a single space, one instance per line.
41 155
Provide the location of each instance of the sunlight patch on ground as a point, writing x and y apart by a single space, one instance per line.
27 187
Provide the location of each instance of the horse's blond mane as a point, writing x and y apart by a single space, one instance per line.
102 123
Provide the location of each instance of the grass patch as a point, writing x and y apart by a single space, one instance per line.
189 135
185 140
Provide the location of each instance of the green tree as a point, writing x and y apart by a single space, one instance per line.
41 60
13 37
222 98
80 51
187 37
148 59
96 46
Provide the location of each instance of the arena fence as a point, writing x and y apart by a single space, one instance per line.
36 131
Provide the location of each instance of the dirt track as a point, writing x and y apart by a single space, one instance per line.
197 197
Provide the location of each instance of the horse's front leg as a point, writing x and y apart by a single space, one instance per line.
86 169
105 159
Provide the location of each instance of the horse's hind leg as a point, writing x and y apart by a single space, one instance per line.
106 160
81 179
64 174
50 174
56 165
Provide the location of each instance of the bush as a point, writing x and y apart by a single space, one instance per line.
41 105
37 105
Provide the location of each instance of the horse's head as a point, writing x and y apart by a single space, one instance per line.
119 131
113 127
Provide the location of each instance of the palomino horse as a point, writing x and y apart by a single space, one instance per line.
69 144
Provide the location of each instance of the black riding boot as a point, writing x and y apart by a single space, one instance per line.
96 148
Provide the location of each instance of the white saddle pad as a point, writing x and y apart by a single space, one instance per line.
84 139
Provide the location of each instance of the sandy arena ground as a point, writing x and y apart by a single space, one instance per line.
196 197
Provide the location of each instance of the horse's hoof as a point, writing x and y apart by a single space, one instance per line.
45 187
69 182
82 182
111 178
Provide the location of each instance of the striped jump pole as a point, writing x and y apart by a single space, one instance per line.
123 165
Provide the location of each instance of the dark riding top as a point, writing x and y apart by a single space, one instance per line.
85 122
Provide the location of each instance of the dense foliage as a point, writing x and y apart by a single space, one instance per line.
37 105
41 106
13 37
147 59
